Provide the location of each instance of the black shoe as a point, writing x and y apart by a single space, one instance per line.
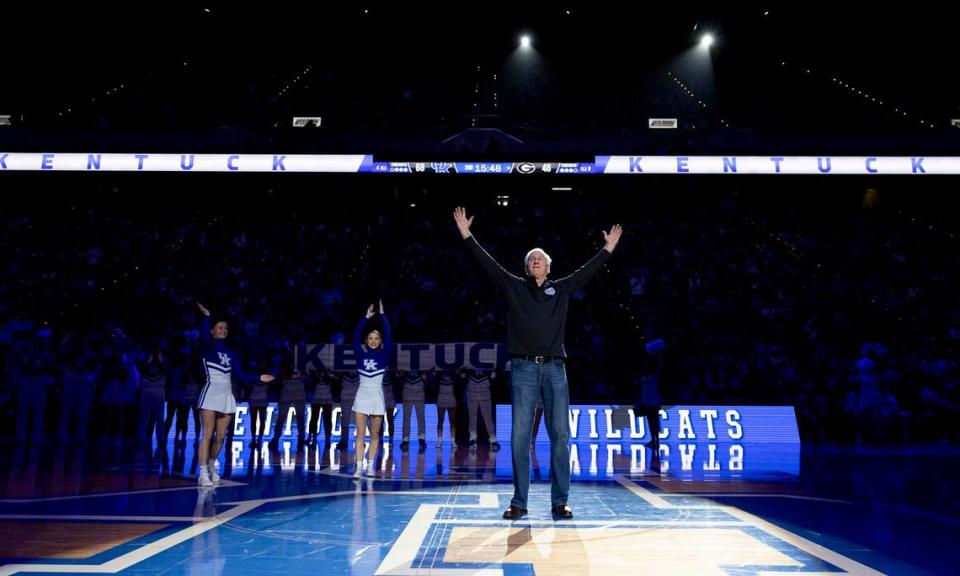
404 445
472 442
514 513
562 512
423 443
494 445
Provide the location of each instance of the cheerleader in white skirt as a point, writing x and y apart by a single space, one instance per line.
217 403
372 354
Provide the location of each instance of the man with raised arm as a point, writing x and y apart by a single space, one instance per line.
536 321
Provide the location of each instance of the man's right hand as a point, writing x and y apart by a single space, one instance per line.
463 223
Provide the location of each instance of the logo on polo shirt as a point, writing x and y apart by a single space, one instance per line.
550 291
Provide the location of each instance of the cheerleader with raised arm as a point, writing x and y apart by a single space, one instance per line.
372 352
217 403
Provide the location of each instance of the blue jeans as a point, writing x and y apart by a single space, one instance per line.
529 382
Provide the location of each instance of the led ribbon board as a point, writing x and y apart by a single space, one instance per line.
365 163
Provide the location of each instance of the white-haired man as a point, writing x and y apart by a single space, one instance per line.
536 321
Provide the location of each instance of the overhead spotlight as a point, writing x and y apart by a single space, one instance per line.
706 41
524 41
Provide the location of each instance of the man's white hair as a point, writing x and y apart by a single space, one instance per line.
526 259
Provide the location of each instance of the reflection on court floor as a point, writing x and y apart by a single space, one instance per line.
432 511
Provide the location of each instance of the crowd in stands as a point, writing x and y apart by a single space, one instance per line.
829 302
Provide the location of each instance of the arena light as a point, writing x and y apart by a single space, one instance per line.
525 41
706 41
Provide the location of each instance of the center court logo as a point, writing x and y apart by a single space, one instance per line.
680 534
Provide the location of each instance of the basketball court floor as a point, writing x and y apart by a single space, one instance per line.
109 508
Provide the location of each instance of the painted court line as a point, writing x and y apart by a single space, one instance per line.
647 496
485 500
142 553
223 484
95 518
400 558
812 548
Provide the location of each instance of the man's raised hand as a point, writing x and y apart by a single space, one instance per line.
612 237
463 223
